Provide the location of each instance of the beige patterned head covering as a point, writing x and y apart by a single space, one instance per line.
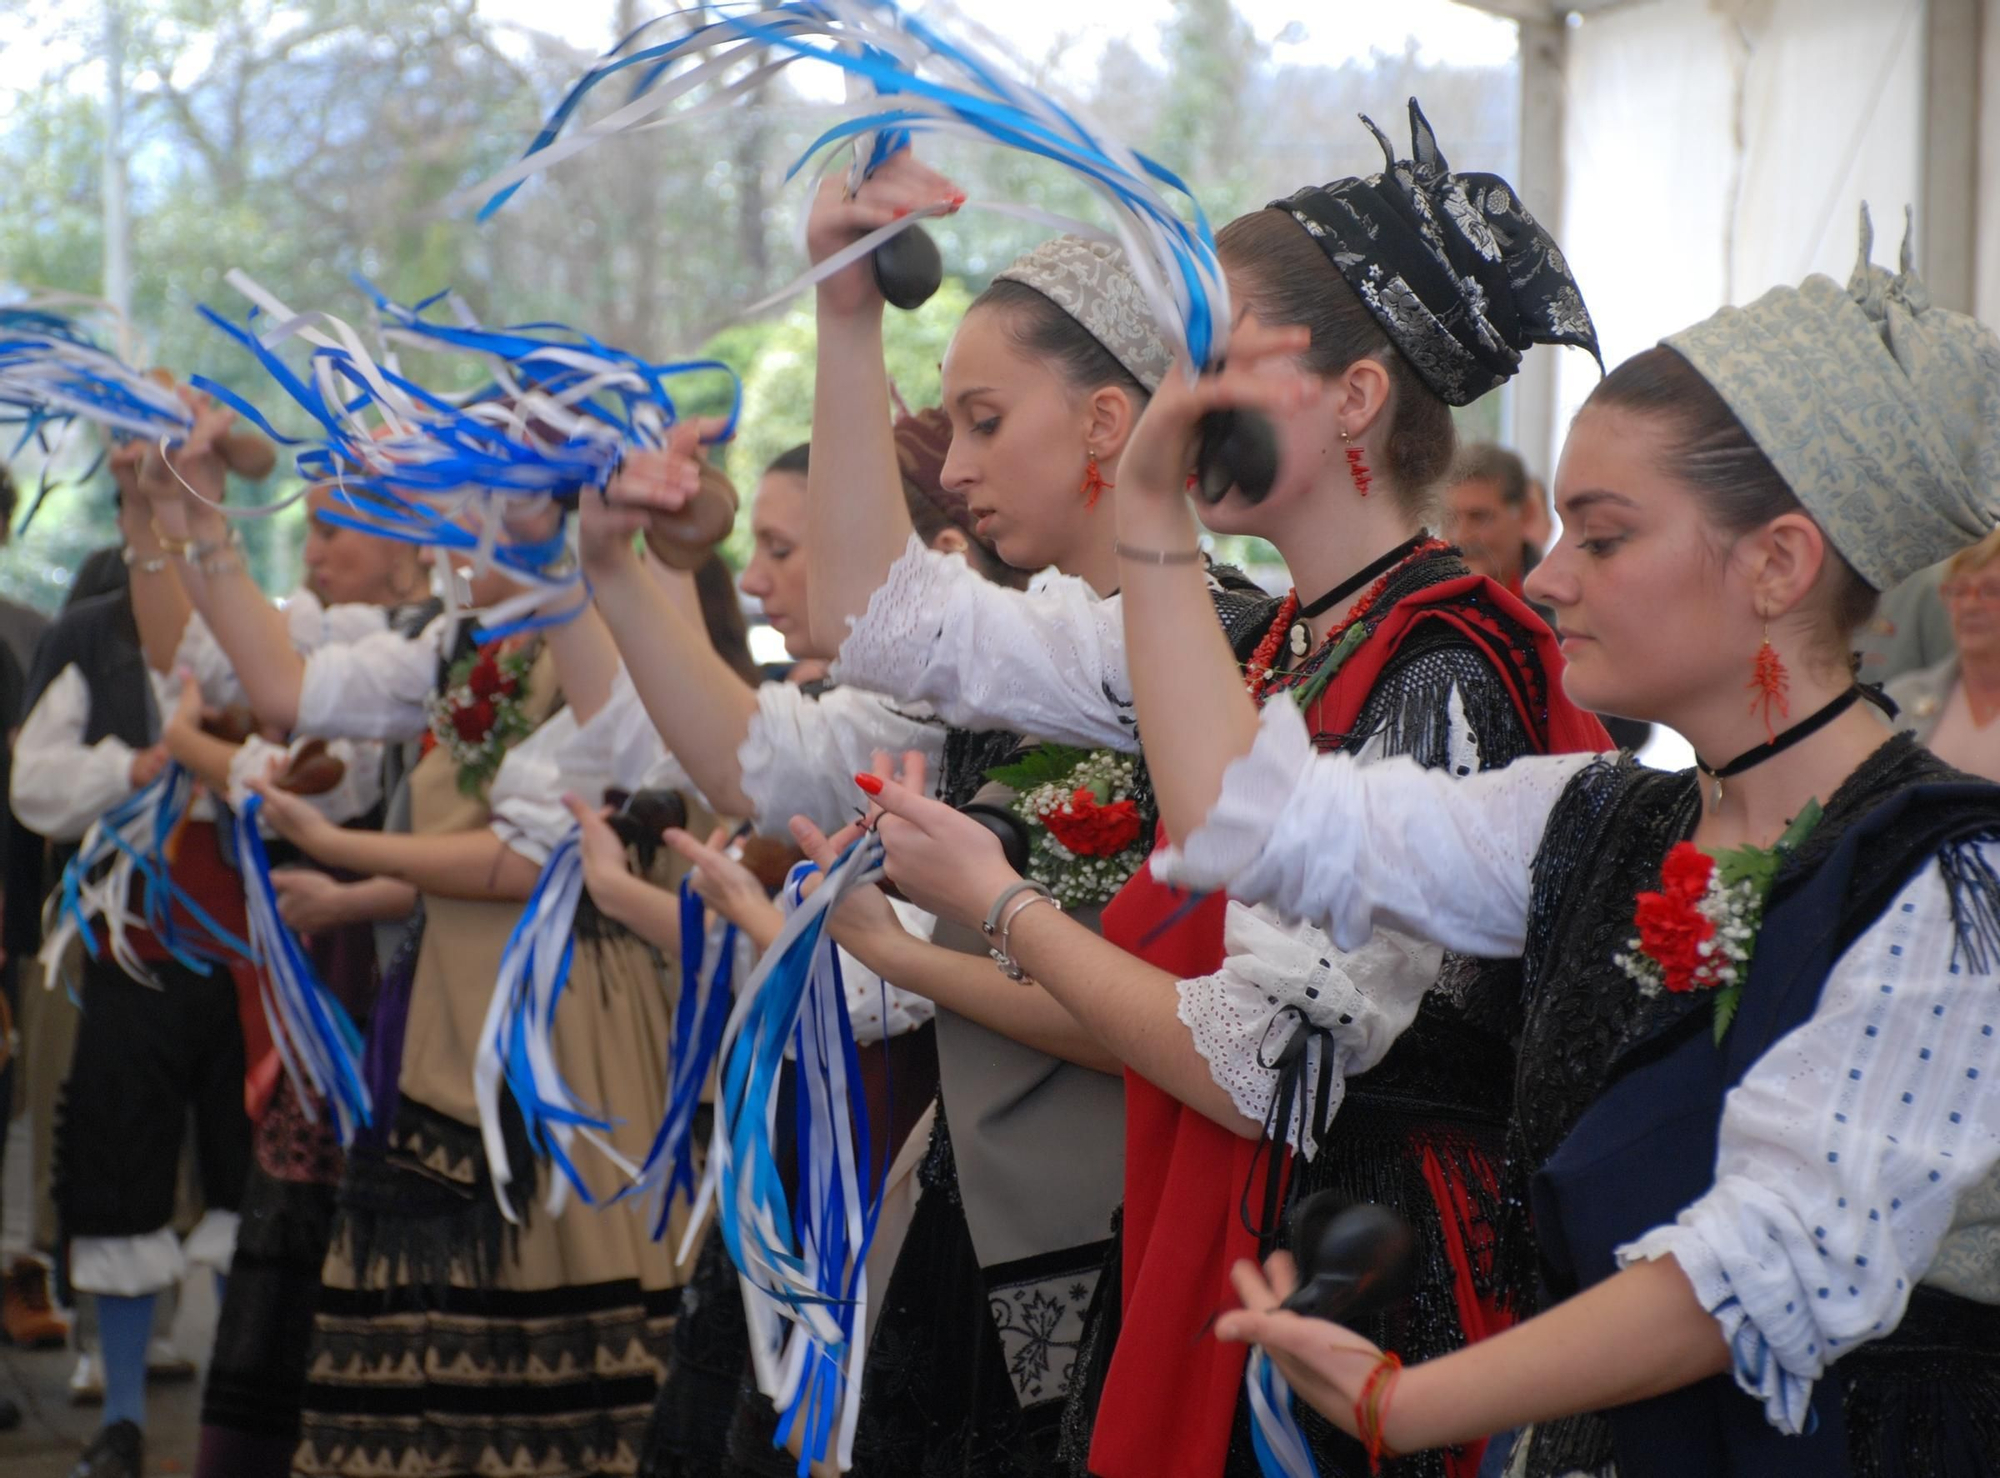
1092 282
1880 411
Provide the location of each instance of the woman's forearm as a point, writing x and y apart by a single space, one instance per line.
701 708
249 629
1192 707
1582 1355
971 987
160 605
381 900
654 914
464 864
586 663
206 756
1130 1007
856 521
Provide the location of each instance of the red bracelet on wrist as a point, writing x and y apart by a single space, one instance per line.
1371 1411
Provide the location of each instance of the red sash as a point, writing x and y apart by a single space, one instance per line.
1170 1393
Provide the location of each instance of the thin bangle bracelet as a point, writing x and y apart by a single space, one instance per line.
1158 556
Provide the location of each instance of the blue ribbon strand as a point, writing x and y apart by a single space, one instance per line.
929 83
803 1266
556 414
517 1044
701 1013
1275 1434
316 1039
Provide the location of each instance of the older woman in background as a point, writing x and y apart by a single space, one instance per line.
1953 705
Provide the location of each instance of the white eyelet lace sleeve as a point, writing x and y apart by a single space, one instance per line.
876 1009
802 753
1843 1155
311 625
371 688
1363 998
1349 846
1048 661
360 784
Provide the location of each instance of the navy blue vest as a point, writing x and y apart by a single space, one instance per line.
1645 1148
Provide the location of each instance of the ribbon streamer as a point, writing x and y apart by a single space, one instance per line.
516 1044
1275 1434
125 850
54 375
316 1039
918 81
803 1269
707 986
556 414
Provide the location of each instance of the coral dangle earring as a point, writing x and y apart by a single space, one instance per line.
1093 480
1771 682
1357 466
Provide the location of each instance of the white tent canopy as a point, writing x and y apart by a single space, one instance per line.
1696 152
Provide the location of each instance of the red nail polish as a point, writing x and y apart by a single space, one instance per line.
870 783
900 211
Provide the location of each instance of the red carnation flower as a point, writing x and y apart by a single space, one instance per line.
1090 829
474 722
485 679
1686 872
1672 931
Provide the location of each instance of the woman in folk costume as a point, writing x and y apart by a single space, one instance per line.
354 586
781 752
168 1011
711 1419
1419 289
1019 1196
451 1332
1755 1114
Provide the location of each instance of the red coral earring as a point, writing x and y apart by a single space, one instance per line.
1770 681
1357 466
1093 480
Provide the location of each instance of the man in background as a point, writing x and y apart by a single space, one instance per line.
1499 518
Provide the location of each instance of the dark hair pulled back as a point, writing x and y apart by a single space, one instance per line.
1046 332
1288 280
1711 453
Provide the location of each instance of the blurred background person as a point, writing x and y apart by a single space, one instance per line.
1952 704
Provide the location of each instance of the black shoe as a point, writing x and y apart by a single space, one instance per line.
10 1415
118 1452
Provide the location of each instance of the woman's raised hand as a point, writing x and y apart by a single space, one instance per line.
902 186
1260 373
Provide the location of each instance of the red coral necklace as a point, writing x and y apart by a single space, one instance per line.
1291 622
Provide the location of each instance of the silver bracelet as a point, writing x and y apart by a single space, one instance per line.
155 564
992 927
1012 969
225 561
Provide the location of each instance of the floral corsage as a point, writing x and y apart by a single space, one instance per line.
480 711
1087 833
1699 931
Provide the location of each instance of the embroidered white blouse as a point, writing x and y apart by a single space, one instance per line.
1854 1156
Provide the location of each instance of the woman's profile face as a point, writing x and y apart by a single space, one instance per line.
1652 612
347 567
1019 436
776 573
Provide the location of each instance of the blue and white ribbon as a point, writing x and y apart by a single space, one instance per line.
708 973
557 412
316 1039
1275 1434
124 849
803 1269
517 1043
56 376
913 79
52 368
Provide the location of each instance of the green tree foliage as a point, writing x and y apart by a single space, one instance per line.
308 140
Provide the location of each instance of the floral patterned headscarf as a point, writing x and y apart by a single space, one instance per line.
1459 275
